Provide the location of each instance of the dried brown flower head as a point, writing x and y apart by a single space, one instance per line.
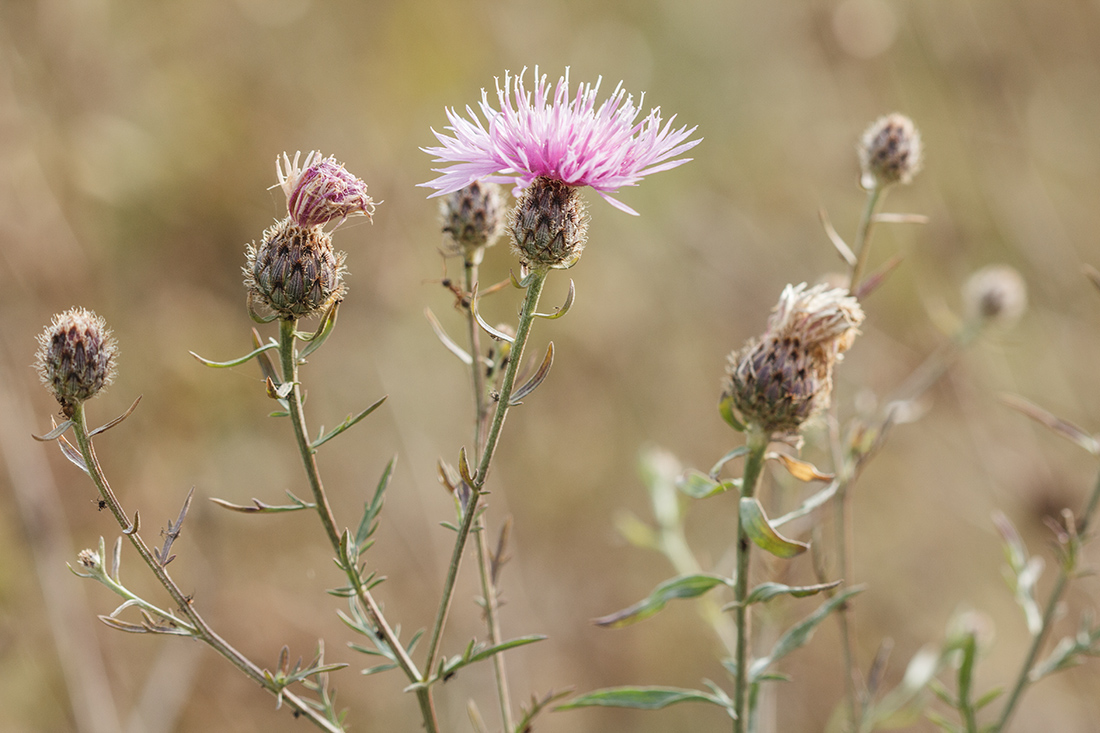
783 378
890 152
76 357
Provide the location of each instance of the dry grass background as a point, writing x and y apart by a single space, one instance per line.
137 143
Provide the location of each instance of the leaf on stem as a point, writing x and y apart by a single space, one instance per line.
1067 430
317 339
801 470
54 434
799 634
735 453
1024 572
446 340
536 706
767 591
477 651
173 532
104 428
641 698
725 409
498 335
348 422
561 311
684 586
262 508
815 501
872 282
841 246
755 523
531 384
698 485
368 524
70 452
235 362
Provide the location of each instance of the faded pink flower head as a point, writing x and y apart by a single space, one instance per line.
321 190
568 139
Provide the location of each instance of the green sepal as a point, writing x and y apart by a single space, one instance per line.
725 409
685 586
755 524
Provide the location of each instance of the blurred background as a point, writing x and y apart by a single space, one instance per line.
137 148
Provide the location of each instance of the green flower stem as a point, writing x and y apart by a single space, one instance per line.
758 441
523 329
1024 677
288 351
863 236
202 631
488 588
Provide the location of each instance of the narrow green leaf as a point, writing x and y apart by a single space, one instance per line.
317 339
735 453
685 586
235 362
260 507
816 500
475 652
799 634
531 384
348 422
756 526
767 591
564 308
698 485
725 409
369 522
55 433
446 340
640 698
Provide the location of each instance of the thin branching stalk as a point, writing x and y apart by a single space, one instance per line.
1023 679
523 329
863 236
758 441
484 558
288 350
200 628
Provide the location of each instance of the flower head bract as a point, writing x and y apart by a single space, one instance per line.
547 133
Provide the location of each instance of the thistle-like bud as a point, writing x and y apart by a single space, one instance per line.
90 559
473 218
549 224
294 271
995 295
783 378
76 357
889 152
321 190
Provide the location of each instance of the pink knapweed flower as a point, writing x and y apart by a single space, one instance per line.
569 139
321 190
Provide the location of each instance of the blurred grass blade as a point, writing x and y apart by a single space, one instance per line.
1067 430
685 586
763 535
838 242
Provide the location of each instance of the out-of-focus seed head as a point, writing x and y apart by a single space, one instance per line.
294 271
549 224
889 152
472 218
321 190
995 295
76 357
785 377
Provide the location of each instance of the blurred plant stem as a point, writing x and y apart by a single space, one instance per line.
288 351
489 589
863 236
1067 569
199 628
534 282
757 441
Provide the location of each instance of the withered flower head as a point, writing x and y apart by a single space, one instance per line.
321 190
783 378
294 271
76 357
472 217
889 152
996 295
549 224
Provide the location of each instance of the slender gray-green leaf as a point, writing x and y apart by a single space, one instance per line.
684 586
317 339
640 698
756 526
561 311
475 652
107 426
55 433
259 507
735 453
799 634
698 485
235 362
531 384
819 499
348 422
369 522
446 340
767 591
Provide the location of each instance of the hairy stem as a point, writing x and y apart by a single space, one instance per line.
1023 679
202 630
758 441
484 559
288 351
536 281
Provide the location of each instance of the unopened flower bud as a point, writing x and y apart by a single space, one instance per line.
321 190
472 217
294 271
76 357
549 224
995 294
889 152
783 378
89 558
